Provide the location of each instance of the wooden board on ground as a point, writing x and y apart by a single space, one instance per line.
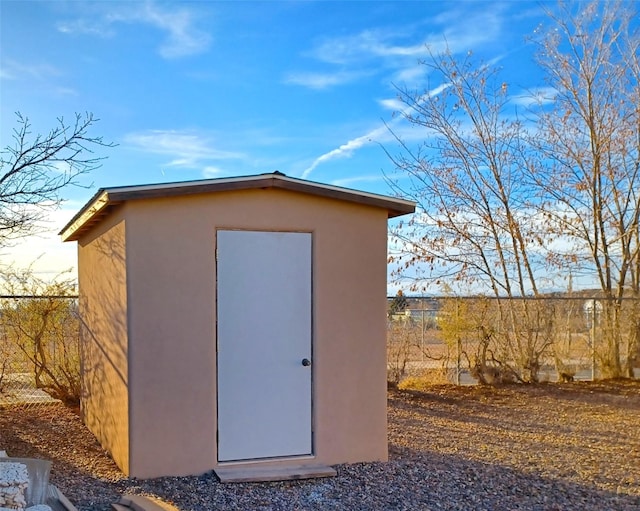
140 503
57 501
241 474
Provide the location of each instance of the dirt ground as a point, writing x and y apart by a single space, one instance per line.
584 432
568 441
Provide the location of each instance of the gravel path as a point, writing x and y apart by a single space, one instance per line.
548 447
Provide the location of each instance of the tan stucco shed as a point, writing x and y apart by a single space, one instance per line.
234 322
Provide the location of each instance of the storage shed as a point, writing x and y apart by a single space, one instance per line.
236 322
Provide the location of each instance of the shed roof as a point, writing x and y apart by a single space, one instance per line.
106 199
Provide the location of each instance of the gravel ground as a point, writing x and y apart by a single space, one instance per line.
547 447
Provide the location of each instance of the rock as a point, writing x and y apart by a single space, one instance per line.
14 479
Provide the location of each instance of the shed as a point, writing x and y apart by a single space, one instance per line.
236 322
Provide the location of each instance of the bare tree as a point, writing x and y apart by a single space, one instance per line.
35 168
590 143
466 176
474 224
493 193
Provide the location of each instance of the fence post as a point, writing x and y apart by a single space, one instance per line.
458 345
422 331
458 369
594 316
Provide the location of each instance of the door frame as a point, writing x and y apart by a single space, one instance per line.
311 337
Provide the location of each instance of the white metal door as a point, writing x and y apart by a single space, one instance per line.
264 344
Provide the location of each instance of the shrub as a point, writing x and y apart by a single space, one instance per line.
42 329
426 379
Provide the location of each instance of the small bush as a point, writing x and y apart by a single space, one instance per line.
42 333
425 380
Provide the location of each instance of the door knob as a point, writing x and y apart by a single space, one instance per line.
306 362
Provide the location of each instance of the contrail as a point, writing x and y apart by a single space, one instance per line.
346 150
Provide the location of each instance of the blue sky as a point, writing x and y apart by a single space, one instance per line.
192 90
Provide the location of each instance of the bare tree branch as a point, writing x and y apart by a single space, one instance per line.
34 170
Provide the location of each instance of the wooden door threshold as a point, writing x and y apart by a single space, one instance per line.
249 474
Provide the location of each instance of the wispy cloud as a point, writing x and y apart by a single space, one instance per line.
395 50
365 45
185 149
182 36
212 171
42 252
535 97
349 181
46 75
99 28
321 81
391 104
13 70
411 74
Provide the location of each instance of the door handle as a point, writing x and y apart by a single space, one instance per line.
306 362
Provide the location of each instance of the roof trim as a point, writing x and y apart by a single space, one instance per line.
108 198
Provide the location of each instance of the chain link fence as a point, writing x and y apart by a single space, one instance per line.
438 340
39 350
470 340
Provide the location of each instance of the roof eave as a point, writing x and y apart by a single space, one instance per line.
104 199
87 216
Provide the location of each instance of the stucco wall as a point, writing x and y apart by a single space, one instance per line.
171 328
103 310
171 268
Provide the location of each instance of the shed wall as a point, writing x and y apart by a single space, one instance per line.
171 300
104 338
